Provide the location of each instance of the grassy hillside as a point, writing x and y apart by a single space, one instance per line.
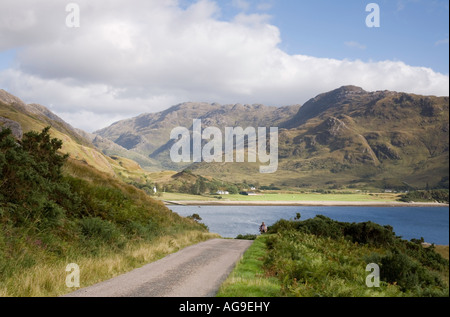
79 148
56 210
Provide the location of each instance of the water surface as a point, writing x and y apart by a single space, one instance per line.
431 223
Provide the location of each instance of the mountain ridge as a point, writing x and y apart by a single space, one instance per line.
345 137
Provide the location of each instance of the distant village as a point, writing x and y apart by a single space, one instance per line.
245 193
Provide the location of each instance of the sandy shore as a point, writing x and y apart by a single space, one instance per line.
304 203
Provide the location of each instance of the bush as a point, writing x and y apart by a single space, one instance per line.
364 233
97 228
398 268
146 231
246 237
321 251
434 195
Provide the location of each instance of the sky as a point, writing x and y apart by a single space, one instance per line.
139 56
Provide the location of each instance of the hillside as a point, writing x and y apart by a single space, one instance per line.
57 209
350 137
35 117
149 134
88 148
344 138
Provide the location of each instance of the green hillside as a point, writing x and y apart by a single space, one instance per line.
58 208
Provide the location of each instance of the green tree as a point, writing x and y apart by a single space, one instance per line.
31 183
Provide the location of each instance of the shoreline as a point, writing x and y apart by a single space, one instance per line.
303 203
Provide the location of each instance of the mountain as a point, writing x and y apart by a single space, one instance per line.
22 118
351 137
149 134
346 137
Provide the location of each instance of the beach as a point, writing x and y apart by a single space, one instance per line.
303 203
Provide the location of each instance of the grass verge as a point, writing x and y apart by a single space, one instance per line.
249 279
49 278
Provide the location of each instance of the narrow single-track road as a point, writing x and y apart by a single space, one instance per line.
196 271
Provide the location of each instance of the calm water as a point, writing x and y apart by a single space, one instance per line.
408 222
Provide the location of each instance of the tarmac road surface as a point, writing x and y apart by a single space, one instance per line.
196 271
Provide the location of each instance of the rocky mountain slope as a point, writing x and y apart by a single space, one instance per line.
345 137
22 118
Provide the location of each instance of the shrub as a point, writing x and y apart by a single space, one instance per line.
246 237
97 228
364 233
396 267
309 256
439 195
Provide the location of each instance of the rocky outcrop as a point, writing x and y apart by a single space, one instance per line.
14 126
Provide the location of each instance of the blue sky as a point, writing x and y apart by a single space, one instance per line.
412 31
131 57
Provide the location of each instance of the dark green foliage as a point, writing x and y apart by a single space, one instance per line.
364 233
39 205
398 268
434 195
102 230
30 177
195 217
246 237
416 270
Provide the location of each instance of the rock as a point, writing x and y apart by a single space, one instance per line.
15 127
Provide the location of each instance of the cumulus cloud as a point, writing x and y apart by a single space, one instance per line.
144 56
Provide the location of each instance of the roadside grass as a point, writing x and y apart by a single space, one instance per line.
47 277
55 211
249 279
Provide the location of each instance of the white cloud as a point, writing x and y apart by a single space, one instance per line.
402 4
128 59
241 4
442 42
264 6
354 44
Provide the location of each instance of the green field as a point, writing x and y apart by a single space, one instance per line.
294 197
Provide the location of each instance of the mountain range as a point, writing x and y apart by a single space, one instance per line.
347 137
